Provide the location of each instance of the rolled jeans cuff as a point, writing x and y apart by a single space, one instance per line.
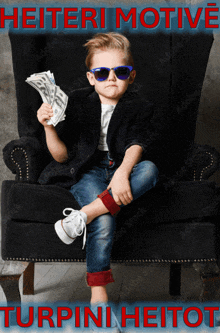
100 278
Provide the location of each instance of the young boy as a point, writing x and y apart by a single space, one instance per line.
100 152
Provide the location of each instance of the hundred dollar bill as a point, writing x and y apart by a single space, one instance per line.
51 88
41 88
50 93
46 76
59 105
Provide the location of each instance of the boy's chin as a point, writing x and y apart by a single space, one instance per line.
111 93
110 97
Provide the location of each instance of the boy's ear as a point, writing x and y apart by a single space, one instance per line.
90 78
132 76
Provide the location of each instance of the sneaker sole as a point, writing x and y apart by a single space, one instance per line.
62 234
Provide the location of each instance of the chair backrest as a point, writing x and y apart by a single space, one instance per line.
170 72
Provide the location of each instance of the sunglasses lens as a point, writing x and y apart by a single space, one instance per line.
122 73
101 74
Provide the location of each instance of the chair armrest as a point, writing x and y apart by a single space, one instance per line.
202 162
25 158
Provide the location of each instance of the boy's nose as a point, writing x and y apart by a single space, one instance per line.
112 75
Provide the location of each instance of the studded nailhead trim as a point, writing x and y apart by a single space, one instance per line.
179 261
205 168
17 164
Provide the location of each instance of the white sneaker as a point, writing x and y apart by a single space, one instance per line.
72 226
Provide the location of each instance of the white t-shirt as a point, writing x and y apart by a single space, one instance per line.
107 111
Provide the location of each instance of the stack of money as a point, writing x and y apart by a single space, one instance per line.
50 93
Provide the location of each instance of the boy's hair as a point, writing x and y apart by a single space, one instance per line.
110 40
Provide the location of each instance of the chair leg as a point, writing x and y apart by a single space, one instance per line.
28 280
9 284
175 280
9 281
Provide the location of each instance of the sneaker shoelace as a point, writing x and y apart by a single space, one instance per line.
80 227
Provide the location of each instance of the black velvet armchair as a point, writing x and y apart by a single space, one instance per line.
177 221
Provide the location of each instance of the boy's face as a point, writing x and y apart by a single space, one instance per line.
112 89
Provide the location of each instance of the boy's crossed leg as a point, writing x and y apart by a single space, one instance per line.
100 233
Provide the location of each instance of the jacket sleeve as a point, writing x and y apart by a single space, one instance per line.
143 131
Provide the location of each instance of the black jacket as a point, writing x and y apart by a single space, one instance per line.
130 124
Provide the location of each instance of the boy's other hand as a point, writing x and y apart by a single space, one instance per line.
44 113
120 186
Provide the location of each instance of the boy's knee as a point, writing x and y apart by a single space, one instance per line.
149 172
153 168
149 167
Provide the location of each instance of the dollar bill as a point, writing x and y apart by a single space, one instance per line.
50 93
46 76
39 85
59 105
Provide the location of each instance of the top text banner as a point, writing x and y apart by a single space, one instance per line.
78 18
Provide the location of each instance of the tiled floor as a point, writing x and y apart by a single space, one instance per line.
133 283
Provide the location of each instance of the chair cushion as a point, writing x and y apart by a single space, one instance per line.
187 241
31 202
29 212
165 203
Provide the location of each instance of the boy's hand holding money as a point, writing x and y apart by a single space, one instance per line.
56 147
44 113
51 95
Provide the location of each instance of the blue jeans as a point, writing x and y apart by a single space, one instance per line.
100 231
